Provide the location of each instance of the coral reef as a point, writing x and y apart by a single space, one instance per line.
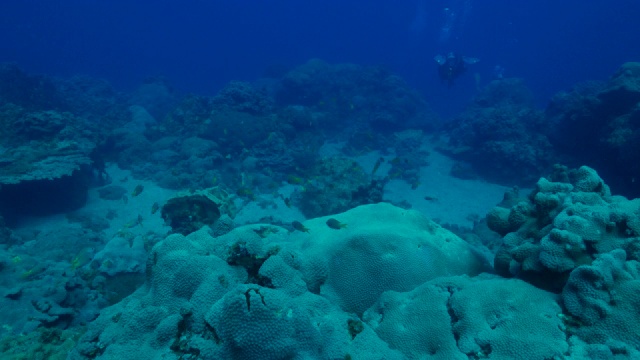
571 236
336 184
602 300
52 344
200 301
244 97
51 140
43 163
190 279
24 90
46 283
501 136
366 95
563 225
467 322
599 124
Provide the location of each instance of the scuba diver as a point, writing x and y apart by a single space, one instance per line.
452 66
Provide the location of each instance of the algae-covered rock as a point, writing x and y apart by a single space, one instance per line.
188 212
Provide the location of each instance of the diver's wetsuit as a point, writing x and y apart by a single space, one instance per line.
452 67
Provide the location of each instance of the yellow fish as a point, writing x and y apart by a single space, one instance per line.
138 190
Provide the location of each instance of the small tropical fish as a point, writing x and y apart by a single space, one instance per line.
297 225
138 190
294 180
82 258
139 220
335 224
246 192
154 208
125 199
377 165
287 201
33 272
431 198
415 184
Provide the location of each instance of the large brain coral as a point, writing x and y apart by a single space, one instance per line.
604 298
387 248
471 318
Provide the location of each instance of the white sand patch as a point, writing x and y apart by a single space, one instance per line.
270 206
444 198
121 215
127 212
440 196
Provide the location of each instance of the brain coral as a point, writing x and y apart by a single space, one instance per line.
261 291
605 297
507 319
471 318
386 248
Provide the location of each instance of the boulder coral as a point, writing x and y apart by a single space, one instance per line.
574 238
204 295
562 226
471 318
604 298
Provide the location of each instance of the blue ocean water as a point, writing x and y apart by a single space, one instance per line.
319 180
204 44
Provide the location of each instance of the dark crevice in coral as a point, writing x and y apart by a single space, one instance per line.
247 295
452 315
211 333
241 256
355 327
182 344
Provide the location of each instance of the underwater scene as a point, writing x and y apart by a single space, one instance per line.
302 180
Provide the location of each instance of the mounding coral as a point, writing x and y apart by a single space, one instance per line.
572 237
470 318
390 285
261 291
563 225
